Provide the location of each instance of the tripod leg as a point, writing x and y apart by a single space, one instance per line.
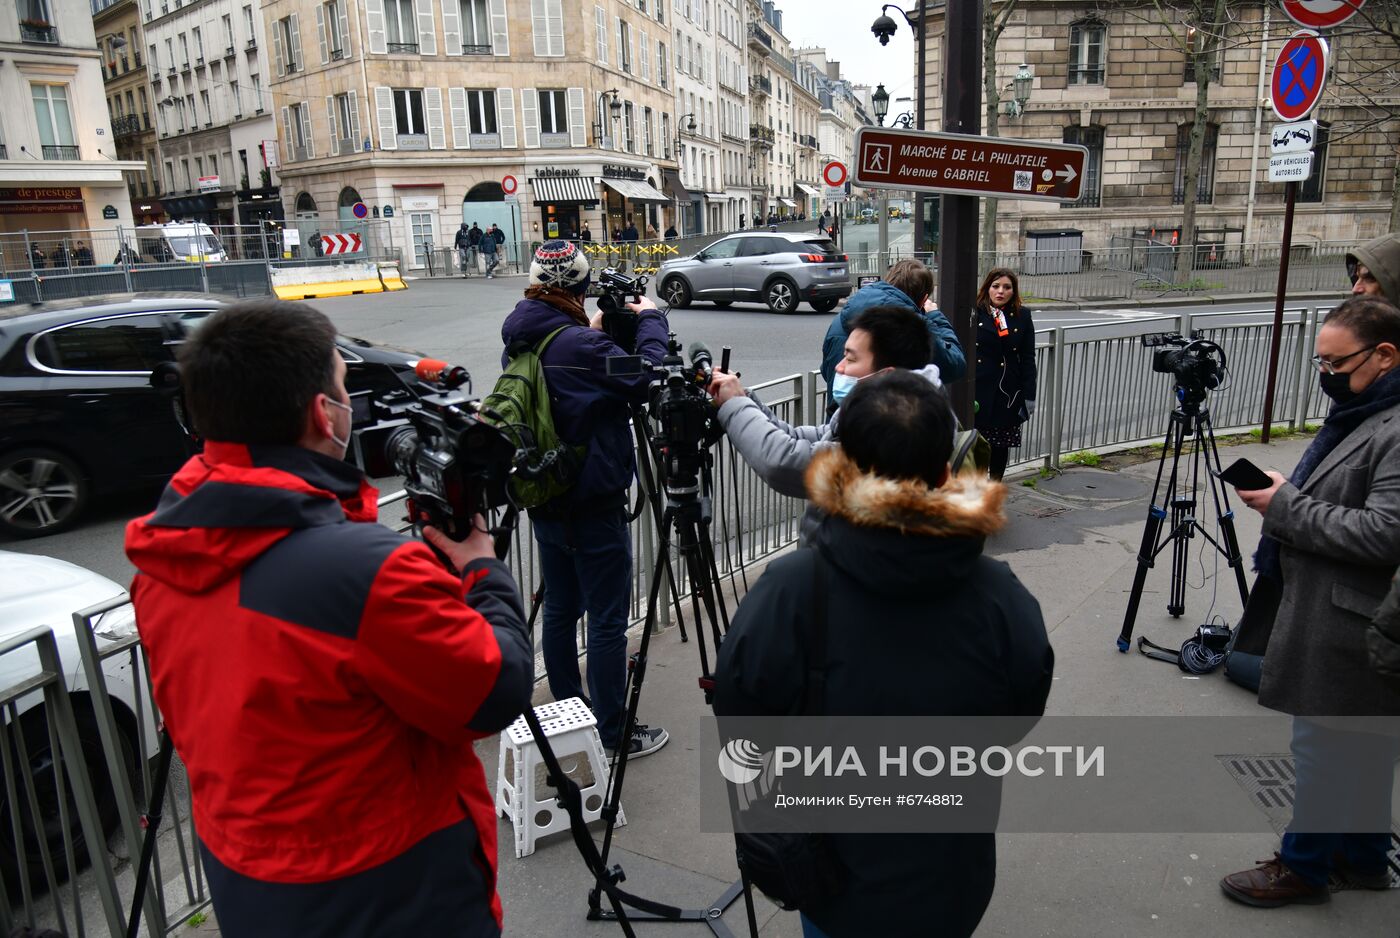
647 476
1147 551
1225 513
152 819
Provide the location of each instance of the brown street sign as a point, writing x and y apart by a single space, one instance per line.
963 164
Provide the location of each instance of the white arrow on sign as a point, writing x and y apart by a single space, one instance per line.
1068 174
340 243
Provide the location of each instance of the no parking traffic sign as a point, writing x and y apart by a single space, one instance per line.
1300 73
1321 14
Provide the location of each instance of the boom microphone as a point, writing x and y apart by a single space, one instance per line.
436 371
701 360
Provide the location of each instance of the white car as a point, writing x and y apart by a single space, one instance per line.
42 591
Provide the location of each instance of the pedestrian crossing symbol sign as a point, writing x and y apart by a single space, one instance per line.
875 158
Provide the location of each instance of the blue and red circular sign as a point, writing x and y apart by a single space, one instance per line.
1321 14
359 210
1300 72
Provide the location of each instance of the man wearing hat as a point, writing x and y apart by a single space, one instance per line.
585 550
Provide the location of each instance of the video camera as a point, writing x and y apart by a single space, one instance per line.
614 291
1198 364
682 415
455 462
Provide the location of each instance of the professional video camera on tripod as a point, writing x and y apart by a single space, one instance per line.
1198 366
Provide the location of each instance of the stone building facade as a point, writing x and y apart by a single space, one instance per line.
208 63
58 164
732 75
1110 77
697 104
429 112
120 39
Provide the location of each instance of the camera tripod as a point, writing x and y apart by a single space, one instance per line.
1188 420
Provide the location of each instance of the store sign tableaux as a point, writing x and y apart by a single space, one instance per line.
546 172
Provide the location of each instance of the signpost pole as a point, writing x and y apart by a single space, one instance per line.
1290 195
884 260
957 241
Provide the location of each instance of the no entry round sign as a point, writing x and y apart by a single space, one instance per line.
1321 14
834 174
1300 72
509 185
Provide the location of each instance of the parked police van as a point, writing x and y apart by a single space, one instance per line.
180 241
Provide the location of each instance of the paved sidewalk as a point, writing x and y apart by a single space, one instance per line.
1073 541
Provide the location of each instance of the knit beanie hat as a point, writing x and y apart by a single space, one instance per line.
559 264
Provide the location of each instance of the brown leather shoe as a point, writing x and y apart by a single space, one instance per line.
1272 884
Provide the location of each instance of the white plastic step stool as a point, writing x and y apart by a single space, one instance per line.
523 795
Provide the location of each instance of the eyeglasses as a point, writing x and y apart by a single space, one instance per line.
1331 366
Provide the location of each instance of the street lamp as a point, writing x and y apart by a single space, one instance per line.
614 108
1020 92
689 128
881 100
905 120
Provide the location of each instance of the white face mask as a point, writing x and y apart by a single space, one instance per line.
345 443
841 385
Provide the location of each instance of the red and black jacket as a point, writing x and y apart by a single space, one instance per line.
323 679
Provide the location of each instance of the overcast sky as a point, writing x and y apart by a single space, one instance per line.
843 28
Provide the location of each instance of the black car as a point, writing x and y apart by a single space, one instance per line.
79 415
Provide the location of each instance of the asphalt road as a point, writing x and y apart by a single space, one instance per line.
460 321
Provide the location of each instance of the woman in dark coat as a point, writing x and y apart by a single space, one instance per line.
1006 375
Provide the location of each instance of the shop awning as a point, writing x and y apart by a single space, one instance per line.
550 189
672 181
635 190
789 203
813 191
716 196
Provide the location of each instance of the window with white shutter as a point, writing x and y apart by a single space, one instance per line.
279 56
663 72
624 46
333 133
505 117
457 111
340 49
294 33
500 28
437 135
287 133
352 106
384 118
307 140
577 109
600 21
427 35
554 19
321 37
374 21
529 113
452 27
644 58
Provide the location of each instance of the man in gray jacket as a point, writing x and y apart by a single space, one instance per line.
1374 268
881 338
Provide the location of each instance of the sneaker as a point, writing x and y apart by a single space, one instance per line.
1272 884
645 741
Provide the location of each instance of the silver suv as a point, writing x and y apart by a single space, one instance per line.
781 270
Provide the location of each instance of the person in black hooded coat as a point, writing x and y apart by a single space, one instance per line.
920 623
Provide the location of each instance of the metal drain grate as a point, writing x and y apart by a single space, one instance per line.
1269 781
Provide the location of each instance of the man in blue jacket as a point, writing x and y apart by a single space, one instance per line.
585 550
910 284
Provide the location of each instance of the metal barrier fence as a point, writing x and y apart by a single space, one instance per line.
232 260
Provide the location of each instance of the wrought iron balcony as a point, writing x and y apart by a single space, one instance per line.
761 135
759 39
476 49
127 125
761 85
60 153
38 32
410 47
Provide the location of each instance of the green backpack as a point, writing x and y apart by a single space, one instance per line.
519 404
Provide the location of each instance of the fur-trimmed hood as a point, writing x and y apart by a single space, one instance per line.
965 506
901 538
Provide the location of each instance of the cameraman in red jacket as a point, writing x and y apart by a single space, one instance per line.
321 676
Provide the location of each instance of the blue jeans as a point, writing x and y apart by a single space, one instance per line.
810 930
1332 765
587 567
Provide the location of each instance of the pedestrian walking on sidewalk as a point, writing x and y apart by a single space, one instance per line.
917 622
488 246
462 241
1332 539
1006 370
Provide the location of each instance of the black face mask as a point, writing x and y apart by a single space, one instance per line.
1337 387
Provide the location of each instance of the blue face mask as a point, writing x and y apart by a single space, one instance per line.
841 386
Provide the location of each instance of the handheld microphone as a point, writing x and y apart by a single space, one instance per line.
436 371
701 360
